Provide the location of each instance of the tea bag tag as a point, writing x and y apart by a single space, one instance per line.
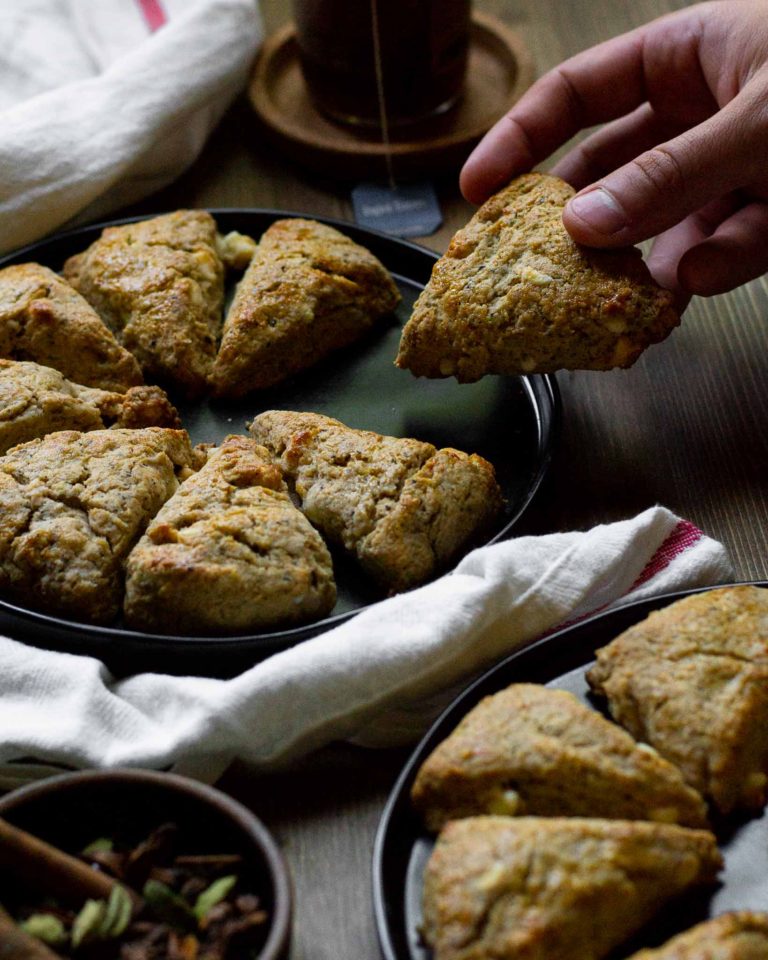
404 210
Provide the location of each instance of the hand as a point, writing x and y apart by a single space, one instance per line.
683 156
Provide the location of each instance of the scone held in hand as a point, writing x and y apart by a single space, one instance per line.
404 508
229 551
514 294
308 290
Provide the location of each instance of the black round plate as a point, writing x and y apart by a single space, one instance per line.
510 421
402 846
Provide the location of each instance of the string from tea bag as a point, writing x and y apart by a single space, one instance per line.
380 97
407 210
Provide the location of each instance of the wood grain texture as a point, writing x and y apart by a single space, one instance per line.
686 427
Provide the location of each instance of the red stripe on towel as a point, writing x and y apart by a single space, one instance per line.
153 13
683 536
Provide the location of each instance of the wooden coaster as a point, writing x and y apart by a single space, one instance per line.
500 69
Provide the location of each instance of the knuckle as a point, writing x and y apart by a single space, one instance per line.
662 170
569 91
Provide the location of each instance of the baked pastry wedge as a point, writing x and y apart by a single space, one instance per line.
555 888
37 400
402 507
514 294
229 551
308 291
159 285
72 505
533 750
741 935
44 319
692 680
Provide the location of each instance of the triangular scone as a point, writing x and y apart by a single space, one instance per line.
229 551
555 889
514 294
741 935
44 319
37 400
309 290
532 750
72 505
402 507
159 284
692 681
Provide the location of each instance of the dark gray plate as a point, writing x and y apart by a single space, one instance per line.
403 847
510 421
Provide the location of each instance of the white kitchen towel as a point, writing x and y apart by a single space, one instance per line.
377 679
103 102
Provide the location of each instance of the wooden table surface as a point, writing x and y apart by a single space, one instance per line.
686 427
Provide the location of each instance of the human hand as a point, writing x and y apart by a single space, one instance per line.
683 155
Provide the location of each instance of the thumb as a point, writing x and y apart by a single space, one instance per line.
664 185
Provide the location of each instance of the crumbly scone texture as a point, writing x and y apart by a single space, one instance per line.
514 294
530 888
692 681
37 400
44 319
159 285
73 504
402 507
308 291
533 750
741 935
229 551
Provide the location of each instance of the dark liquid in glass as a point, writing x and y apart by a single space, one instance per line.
423 55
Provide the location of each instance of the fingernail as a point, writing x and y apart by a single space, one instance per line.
599 211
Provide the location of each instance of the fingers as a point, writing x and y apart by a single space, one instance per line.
712 251
614 145
665 184
735 253
669 247
594 86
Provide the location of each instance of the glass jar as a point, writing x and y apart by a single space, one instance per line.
407 57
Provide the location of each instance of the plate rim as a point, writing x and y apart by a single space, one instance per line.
542 393
628 613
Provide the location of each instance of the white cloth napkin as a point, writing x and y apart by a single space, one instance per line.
105 101
377 679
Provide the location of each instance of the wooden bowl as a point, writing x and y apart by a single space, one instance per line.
73 809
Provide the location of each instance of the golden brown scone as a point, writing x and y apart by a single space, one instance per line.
37 400
741 935
235 249
514 294
71 507
229 551
44 319
692 681
402 507
532 750
159 284
530 888
309 290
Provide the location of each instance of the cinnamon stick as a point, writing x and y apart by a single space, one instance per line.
45 867
16 944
